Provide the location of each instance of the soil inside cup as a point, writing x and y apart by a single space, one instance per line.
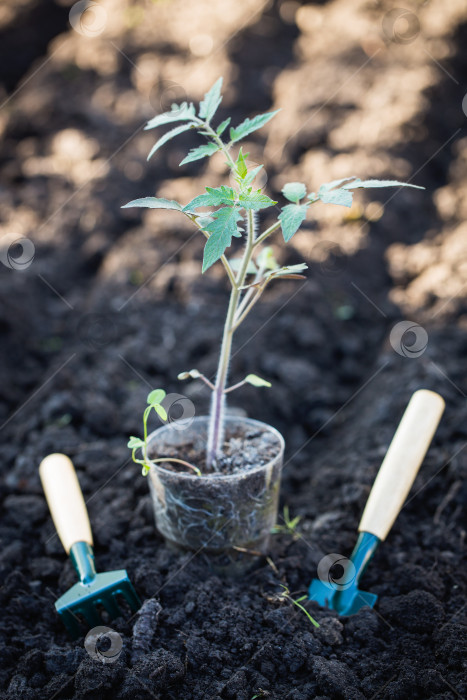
243 448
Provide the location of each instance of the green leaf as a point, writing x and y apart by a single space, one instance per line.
176 114
221 229
223 126
214 198
156 396
341 196
288 270
294 191
135 442
291 218
200 152
251 175
336 183
193 373
154 203
169 135
235 264
255 200
256 381
250 125
160 410
357 184
266 259
211 102
242 168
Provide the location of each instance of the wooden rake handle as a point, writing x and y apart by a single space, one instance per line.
402 462
65 500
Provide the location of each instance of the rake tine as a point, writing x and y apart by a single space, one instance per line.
71 623
130 596
91 614
111 605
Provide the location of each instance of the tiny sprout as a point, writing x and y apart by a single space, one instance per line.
290 525
233 214
194 374
252 379
136 443
297 602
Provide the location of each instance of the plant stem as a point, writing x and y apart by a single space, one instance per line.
267 233
221 144
216 421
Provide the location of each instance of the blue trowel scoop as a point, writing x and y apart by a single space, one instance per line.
338 577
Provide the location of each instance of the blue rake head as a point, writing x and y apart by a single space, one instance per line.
342 594
93 593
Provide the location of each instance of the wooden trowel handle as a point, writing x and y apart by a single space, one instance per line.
402 462
65 500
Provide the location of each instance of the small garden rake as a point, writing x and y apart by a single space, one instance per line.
94 592
392 484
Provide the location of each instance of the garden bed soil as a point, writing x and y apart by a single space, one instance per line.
89 330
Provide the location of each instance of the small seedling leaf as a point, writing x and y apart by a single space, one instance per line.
340 196
235 264
160 410
223 126
211 102
177 113
291 217
201 152
249 125
255 201
156 396
358 184
294 191
193 373
291 271
154 203
252 174
266 259
222 228
242 168
135 442
336 183
215 197
169 135
254 380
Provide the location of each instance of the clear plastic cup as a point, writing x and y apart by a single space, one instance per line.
227 518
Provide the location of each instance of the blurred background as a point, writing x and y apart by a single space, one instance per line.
100 296
100 304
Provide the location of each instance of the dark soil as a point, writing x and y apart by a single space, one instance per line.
242 448
89 327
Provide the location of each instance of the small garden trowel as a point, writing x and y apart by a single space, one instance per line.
392 484
94 592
